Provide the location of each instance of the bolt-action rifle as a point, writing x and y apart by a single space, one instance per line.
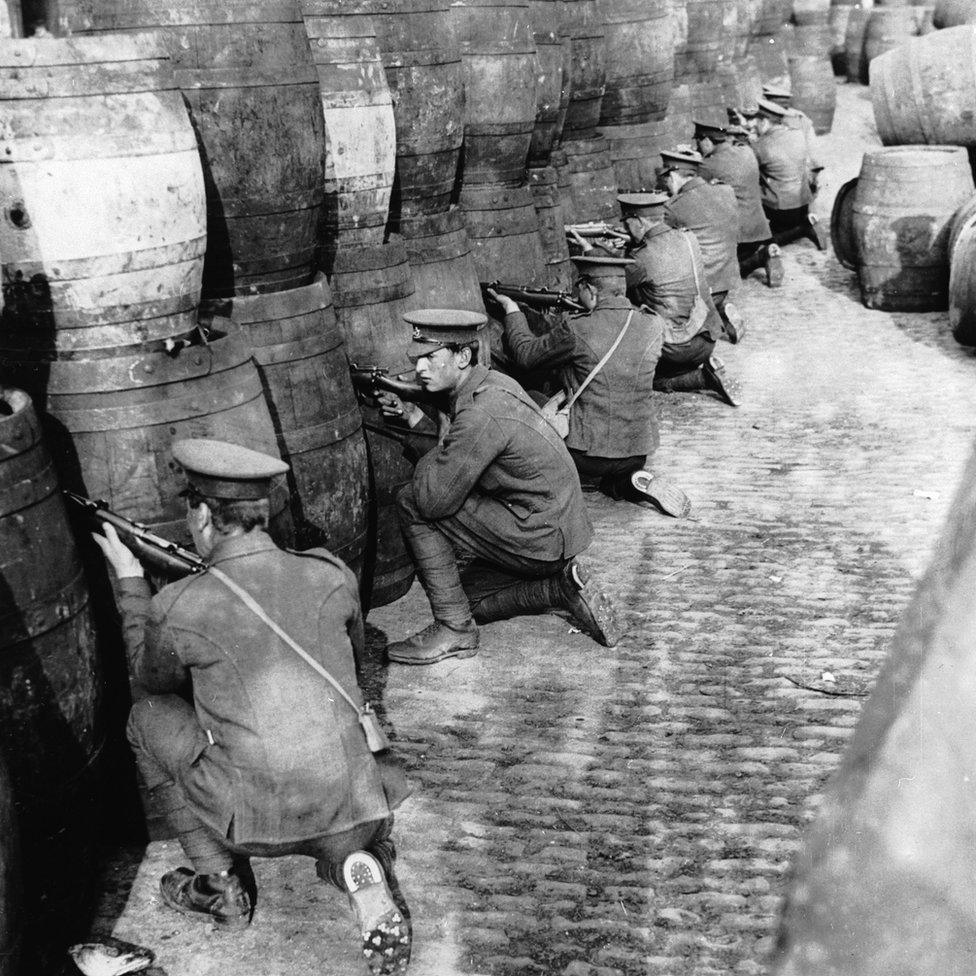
534 297
160 553
370 380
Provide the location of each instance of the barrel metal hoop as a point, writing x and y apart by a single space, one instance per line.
45 613
329 432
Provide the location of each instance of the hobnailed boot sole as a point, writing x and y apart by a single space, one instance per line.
592 607
668 497
721 383
385 932
174 887
774 269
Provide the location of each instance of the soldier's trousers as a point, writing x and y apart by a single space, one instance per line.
788 225
458 567
166 738
609 475
682 358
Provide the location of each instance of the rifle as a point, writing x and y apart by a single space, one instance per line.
370 380
535 297
160 553
596 228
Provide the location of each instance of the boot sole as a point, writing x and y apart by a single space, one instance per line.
593 608
224 923
385 933
461 653
723 385
669 498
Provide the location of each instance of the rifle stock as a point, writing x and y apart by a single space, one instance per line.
536 297
161 554
370 380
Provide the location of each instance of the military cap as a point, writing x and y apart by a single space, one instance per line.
710 130
223 470
642 204
770 110
600 266
682 160
746 111
776 94
435 328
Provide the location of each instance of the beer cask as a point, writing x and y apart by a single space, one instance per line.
773 15
770 52
554 66
812 39
678 118
640 65
85 273
297 345
441 263
889 28
544 186
593 182
924 91
814 91
962 285
711 27
588 67
960 220
635 151
855 64
708 99
372 287
953 13
246 73
360 134
52 708
842 226
747 16
840 15
503 229
499 64
810 12
903 207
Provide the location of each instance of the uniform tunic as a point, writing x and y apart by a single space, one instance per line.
736 164
280 757
615 417
504 473
796 119
663 279
711 213
784 177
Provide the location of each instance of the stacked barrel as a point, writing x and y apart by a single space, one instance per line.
770 42
810 65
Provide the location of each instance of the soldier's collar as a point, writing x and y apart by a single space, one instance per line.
257 540
475 378
657 230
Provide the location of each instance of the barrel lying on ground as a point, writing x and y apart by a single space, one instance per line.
903 208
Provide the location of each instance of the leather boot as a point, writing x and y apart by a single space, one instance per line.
571 589
217 898
719 381
774 266
434 643
690 382
384 929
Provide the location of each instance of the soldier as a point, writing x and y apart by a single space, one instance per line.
733 162
668 277
613 420
784 178
711 212
797 119
268 759
494 518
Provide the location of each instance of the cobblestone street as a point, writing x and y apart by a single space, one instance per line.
587 812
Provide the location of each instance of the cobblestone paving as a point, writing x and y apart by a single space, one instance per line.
587 812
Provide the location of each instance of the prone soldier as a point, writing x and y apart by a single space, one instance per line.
606 356
784 178
710 211
668 277
268 760
734 163
494 518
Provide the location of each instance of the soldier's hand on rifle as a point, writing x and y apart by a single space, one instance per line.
584 244
396 409
508 305
119 556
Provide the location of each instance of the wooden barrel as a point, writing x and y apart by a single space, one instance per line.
499 62
770 52
588 67
807 12
814 91
747 15
52 729
772 16
635 151
593 182
924 91
423 69
640 71
815 39
711 25
544 185
116 419
564 188
679 28
503 229
554 67
905 200
441 263
953 13
748 83
857 22
10 889
962 284
678 118
247 76
372 287
85 272
360 135
962 218
888 28
840 15
298 348
842 226
708 99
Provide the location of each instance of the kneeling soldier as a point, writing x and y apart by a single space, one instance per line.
268 759
668 277
498 495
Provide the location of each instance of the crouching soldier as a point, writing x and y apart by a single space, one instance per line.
494 518
269 758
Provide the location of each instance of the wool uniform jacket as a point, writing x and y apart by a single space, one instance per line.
784 176
737 165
